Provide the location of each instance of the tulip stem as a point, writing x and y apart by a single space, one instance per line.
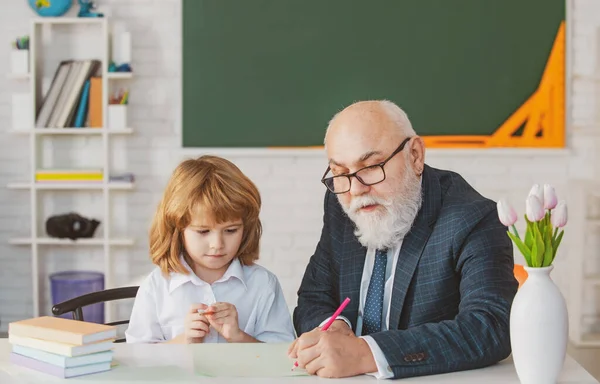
515 231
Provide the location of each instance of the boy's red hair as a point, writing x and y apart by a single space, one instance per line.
209 184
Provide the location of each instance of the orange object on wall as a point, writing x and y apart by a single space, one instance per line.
542 115
520 274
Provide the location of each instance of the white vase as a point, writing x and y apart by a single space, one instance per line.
539 328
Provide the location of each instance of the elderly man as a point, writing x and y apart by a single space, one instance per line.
422 256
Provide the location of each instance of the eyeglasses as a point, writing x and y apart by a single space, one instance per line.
373 174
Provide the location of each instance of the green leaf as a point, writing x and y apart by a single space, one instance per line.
542 227
548 251
529 234
515 231
557 243
522 247
544 223
539 244
534 252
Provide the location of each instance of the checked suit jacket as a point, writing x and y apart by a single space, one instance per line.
453 285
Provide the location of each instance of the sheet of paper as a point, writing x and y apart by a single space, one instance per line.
139 375
244 360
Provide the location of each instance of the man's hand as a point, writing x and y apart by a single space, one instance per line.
334 354
293 348
336 326
340 326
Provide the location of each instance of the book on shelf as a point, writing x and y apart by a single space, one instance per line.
81 114
63 177
68 171
64 105
84 175
69 175
95 117
122 178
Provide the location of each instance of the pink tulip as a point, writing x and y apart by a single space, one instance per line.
550 198
560 215
534 209
506 213
538 192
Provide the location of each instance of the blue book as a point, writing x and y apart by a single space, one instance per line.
83 102
63 361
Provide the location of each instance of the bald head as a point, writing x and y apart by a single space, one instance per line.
371 132
382 202
380 118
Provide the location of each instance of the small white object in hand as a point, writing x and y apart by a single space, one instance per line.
205 311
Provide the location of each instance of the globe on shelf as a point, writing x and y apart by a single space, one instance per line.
50 8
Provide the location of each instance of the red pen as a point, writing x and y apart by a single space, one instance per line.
332 319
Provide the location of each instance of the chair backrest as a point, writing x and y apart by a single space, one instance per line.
76 304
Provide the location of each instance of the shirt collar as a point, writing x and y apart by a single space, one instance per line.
176 280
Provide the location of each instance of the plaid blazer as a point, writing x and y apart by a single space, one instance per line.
453 285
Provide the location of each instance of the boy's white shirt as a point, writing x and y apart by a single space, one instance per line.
162 303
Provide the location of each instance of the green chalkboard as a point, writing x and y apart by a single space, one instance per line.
271 73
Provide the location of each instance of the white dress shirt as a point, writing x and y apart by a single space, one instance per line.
162 303
384 371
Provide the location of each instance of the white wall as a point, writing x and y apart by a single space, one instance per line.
288 181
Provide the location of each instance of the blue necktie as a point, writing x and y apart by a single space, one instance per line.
374 301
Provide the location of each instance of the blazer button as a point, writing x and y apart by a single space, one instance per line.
406 358
421 356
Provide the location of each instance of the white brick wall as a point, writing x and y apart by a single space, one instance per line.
288 180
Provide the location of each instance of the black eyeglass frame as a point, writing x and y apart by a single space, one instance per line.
354 174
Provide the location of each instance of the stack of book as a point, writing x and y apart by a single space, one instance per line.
61 347
68 175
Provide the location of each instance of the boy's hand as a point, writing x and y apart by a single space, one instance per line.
223 317
196 326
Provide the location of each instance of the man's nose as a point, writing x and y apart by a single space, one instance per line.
357 188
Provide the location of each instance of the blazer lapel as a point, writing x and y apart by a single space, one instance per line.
414 243
351 270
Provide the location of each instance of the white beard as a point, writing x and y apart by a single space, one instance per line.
387 226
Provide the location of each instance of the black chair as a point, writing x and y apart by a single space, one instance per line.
76 304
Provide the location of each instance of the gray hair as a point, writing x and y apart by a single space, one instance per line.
395 113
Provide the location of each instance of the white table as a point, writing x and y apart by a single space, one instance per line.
142 363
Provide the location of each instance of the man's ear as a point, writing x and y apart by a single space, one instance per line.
417 155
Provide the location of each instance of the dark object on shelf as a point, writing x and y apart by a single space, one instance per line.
122 178
125 67
86 7
71 226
